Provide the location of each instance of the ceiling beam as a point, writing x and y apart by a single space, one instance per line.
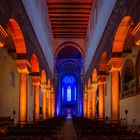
69 25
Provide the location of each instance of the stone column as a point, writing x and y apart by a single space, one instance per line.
115 65
89 103
52 103
23 68
36 82
94 89
49 102
44 104
85 103
101 101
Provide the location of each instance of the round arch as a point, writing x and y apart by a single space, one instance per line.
49 83
69 62
17 36
34 63
89 83
66 44
127 76
121 34
103 64
85 87
43 76
94 75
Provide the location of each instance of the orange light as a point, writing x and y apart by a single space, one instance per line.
101 101
44 108
23 98
34 63
94 88
17 36
3 35
121 34
36 104
115 95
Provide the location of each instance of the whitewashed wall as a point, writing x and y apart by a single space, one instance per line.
38 14
103 12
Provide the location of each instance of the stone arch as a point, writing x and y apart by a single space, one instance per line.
43 76
17 36
103 64
66 44
85 87
127 76
89 83
121 34
34 63
49 83
94 75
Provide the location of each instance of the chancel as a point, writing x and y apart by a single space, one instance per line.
69 69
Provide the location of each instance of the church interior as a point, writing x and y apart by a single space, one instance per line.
69 69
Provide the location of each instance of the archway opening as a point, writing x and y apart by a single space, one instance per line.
69 92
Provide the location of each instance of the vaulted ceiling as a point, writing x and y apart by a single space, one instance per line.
69 18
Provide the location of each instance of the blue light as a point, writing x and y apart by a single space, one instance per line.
75 93
68 93
62 93
68 79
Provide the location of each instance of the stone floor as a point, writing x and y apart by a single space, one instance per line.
67 132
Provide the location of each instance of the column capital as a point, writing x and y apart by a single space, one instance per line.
101 79
23 66
48 89
3 36
36 78
89 90
44 87
115 64
94 85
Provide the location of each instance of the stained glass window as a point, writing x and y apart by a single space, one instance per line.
68 93
62 93
75 93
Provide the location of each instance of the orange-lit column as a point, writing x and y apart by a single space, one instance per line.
49 102
51 98
36 82
44 104
115 95
115 65
89 103
52 103
3 36
94 88
23 68
101 100
85 104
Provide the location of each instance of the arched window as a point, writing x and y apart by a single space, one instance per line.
128 78
62 93
75 93
68 93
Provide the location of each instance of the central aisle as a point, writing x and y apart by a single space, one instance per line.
67 132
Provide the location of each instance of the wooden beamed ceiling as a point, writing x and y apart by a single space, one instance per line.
69 18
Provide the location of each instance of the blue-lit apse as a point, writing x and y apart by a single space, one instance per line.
69 102
69 85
